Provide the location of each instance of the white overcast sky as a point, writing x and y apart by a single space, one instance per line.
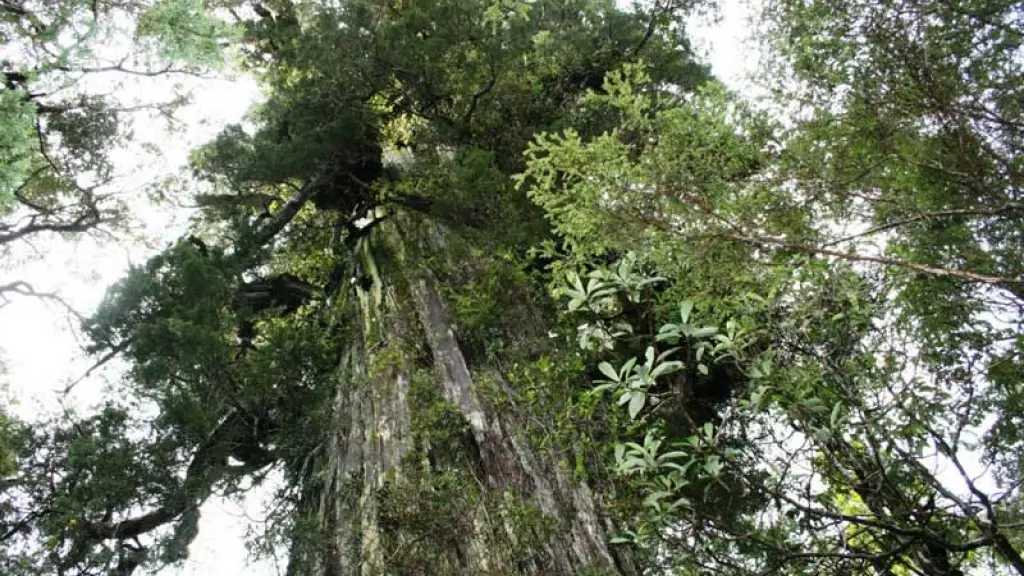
40 352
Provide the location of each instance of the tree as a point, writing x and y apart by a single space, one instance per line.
852 366
314 332
727 380
58 130
59 125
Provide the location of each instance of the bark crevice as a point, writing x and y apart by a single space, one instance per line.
373 461
511 463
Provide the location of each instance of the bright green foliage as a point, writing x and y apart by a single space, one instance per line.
16 116
774 346
186 32
672 170
842 376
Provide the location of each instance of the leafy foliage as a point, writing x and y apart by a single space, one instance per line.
60 132
775 344
851 387
185 31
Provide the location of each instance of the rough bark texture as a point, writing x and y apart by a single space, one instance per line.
371 447
511 464
366 441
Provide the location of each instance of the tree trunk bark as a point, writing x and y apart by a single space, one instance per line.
512 465
371 449
367 440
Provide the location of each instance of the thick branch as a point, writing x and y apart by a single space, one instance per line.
82 223
208 466
1013 285
283 216
140 525
1002 210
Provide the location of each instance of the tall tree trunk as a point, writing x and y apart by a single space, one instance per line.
366 441
374 452
512 465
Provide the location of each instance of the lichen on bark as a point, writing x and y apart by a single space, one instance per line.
421 472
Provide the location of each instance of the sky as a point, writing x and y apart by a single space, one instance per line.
40 350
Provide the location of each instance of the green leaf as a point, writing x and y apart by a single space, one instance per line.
654 280
636 404
673 454
669 329
705 332
685 309
608 371
629 365
666 368
666 353
713 465
837 414
575 294
816 405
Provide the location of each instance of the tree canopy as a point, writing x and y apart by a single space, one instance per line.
520 288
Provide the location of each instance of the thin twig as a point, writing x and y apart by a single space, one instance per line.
855 257
26 289
1007 208
99 364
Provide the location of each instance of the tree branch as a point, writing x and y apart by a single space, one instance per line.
1014 285
26 289
1005 209
100 363
208 465
119 67
990 528
82 223
480 94
283 216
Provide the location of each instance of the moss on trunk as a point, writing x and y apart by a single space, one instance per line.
420 474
